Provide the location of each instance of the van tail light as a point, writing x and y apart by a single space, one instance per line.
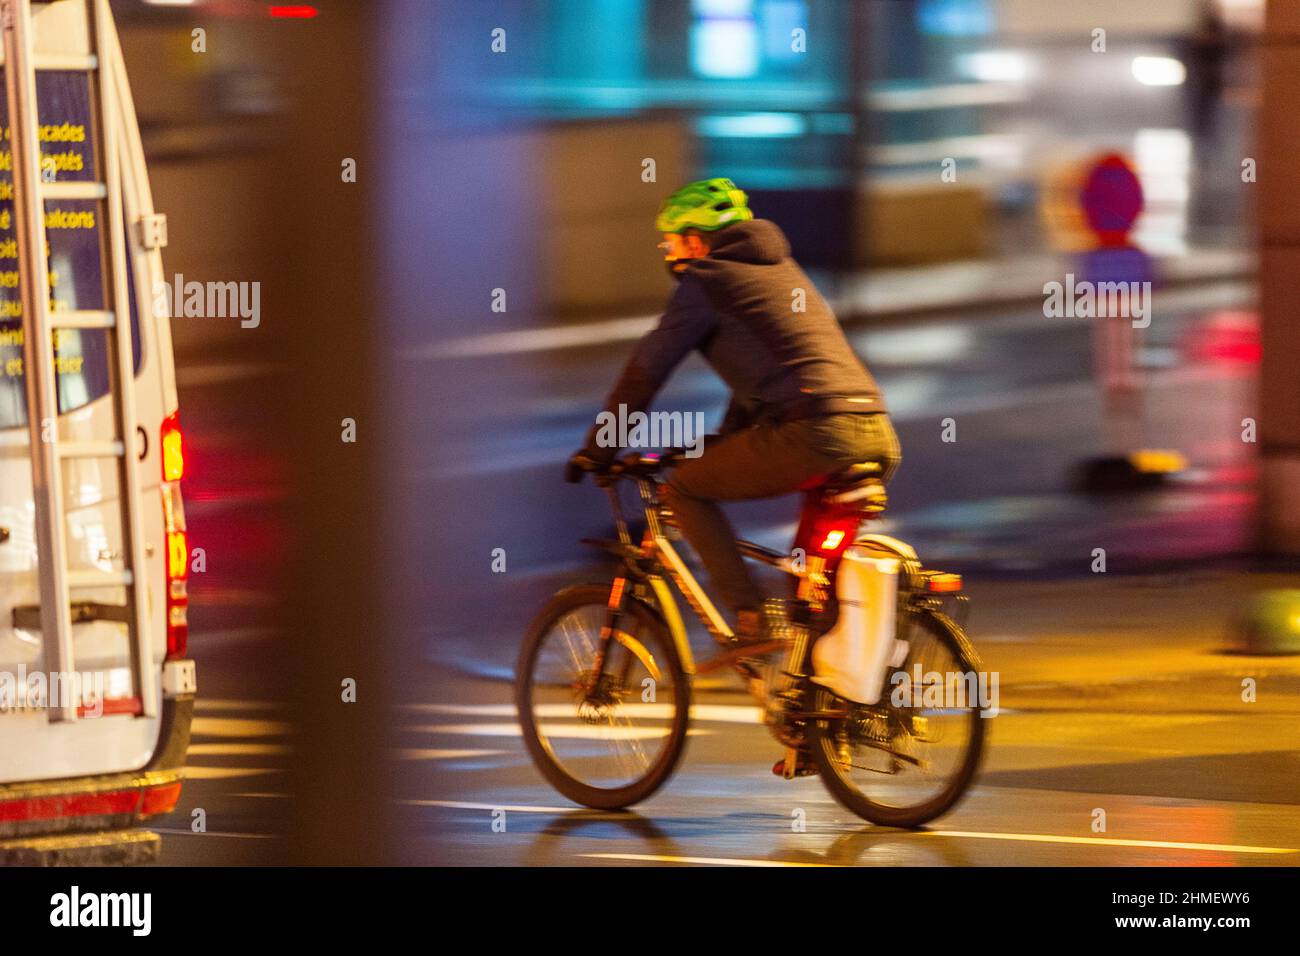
173 452
178 552
178 601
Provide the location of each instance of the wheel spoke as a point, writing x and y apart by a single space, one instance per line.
920 758
593 726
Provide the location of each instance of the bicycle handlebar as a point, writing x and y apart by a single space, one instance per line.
635 464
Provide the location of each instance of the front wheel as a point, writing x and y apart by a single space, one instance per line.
608 739
910 758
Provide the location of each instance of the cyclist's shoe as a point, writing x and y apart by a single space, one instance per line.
803 766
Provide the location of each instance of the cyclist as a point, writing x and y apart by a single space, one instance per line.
803 406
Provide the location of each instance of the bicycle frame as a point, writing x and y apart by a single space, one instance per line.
656 552
809 720
644 563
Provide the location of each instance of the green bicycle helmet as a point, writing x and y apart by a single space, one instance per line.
708 204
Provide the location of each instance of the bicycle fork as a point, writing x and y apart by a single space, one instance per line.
610 631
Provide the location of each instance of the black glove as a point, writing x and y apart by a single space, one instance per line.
580 462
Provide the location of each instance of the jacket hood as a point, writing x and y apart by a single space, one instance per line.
759 241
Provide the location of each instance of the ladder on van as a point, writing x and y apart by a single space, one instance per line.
33 188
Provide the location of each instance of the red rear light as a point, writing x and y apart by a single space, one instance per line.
832 535
173 454
832 540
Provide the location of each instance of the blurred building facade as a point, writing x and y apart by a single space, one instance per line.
937 125
885 132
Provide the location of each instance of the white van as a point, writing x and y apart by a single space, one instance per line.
95 707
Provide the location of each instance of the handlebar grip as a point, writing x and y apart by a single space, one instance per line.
581 463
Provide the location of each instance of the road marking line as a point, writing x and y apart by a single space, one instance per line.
1109 841
959 834
435 753
212 833
699 860
720 713
474 710
966 834
225 773
511 808
224 750
217 703
554 731
195 376
238 727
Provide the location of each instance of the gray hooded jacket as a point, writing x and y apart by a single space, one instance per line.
737 307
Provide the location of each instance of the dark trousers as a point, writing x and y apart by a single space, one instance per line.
764 461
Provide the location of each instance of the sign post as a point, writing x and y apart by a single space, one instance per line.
1119 276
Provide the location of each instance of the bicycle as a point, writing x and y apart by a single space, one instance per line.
616 657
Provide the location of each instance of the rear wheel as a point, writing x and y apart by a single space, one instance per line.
612 739
910 758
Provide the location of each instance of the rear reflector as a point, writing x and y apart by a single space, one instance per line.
150 800
113 705
161 799
944 583
178 601
178 555
71 805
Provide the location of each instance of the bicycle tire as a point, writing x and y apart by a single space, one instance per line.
613 798
822 745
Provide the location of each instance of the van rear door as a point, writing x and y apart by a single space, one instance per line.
110 734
